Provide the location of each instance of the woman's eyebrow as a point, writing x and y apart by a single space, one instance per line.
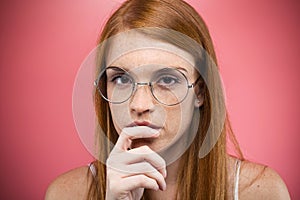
121 68
183 70
180 68
117 68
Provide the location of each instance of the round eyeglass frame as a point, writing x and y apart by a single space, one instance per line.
135 84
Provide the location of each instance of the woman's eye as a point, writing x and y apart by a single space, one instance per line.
167 81
121 80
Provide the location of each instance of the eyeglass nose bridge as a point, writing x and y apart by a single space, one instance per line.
141 84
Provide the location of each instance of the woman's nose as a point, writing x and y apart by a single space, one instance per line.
142 100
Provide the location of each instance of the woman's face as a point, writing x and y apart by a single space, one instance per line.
142 109
148 60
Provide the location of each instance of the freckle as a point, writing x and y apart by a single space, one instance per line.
258 186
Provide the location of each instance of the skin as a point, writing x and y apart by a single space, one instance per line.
135 165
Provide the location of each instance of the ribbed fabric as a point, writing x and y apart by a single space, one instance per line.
93 170
237 177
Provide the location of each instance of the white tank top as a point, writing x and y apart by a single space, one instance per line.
237 177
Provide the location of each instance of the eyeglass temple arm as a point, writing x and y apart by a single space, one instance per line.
193 84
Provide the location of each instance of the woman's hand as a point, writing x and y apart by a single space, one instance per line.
129 172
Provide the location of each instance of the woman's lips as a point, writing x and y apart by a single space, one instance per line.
143 123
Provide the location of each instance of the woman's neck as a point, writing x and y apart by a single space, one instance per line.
172 173
171 181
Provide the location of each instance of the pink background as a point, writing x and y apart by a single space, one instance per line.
44 42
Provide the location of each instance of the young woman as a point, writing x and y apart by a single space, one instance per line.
159 101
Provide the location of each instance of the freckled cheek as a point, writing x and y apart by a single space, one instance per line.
173 122
120 116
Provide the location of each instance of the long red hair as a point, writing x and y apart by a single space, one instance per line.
204 178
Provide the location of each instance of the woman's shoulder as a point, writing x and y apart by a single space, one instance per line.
257 181
73 184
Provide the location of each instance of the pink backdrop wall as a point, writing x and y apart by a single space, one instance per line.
44 42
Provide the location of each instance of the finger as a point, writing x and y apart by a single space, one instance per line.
148 170
130 133
138 181
144 153
141 132
118 160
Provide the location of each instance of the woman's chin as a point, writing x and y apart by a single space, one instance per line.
152 143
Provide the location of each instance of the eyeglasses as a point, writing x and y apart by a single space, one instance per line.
168 86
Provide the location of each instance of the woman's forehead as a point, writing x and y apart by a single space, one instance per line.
153 60
134 41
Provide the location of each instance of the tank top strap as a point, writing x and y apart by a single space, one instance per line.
92 169
237 177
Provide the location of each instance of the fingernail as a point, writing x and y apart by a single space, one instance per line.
165 173
164 187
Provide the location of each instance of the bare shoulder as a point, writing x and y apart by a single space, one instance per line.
73 184
261 182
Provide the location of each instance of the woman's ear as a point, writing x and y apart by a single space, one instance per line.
199 92
199 101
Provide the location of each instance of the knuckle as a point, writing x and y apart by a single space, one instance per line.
146 149
146 168
162 166
142 180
